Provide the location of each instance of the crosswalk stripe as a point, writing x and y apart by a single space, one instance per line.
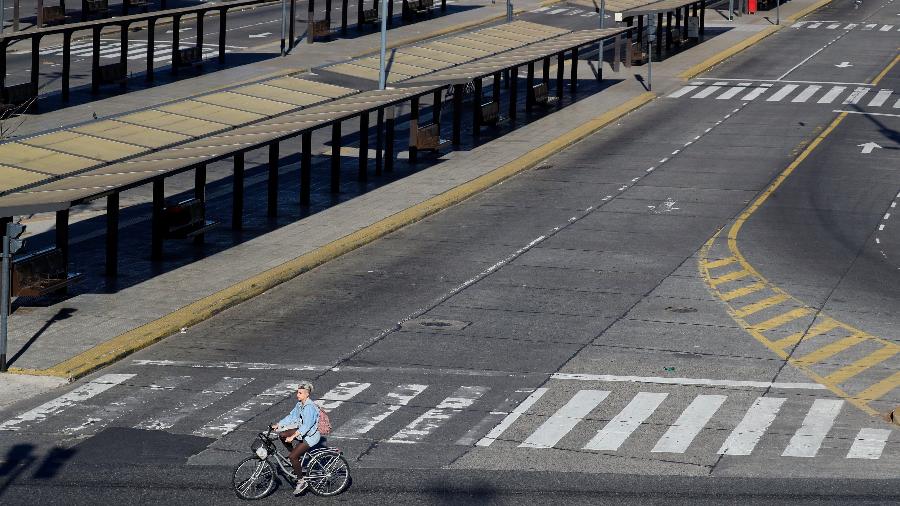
557 11
897 104
731 92
832 26
755 93
744 438
856 95
490 420
80 394
816 425
821 327
869 444
370 417
511 418
201 400
340 394
745 290
692 420
799 24
886 28
781 319
851 26
832 349
103 415
541 9
881 388
683 91
611 437
806 93
431 420
880 98
234 418
565 419
867 362
869 26
814 25
758 306
705 92
783 92
832 94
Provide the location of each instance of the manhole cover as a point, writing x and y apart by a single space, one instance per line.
681 309
544 166
436 324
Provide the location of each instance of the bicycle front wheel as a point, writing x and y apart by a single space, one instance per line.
328 474
253 478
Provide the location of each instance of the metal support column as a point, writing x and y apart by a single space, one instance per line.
363 146
413 127
573 85
200 194
658 34
344 7
159 203
560 74
95 59
112 234
62 239
476 109
223 20
151 36
237 193
336 157
305 167
123 53
379 142
678 25
272 180
390 129
702 19
529 88
513 89
176 43
546 72
66 64
668 35
457 114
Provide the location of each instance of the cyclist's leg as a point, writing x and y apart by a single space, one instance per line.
283 435
295 457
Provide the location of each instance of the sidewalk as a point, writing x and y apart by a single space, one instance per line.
98 328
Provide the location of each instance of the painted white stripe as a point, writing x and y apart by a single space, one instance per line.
869 26
705 92
832 26
746 435
683 91
251 366
857 94
869 444
814 25
807 93
851 26
897 104
783 92
611 437
819 419
511 418
503 409
369 418
688 381
340 394
565 419
886 28
832 94
799 24
201 400
234 418
541 9
557 11
80 394
880 98
731 92
681 434
434 418
102 416
755 93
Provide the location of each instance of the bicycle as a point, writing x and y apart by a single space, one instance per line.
325 469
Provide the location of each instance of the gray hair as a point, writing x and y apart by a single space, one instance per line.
305 385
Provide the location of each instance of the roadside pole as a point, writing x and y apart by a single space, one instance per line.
4 301
2 15
283 26
382 78
650 37
730 10
509 11
777 12
602 41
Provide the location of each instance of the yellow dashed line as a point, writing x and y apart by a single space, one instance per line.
879 389
731 276
820 328
740 292
781 319
832 349
845 373
749 309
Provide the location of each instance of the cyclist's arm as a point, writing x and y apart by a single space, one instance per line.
291 421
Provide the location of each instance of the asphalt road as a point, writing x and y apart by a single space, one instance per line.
572 335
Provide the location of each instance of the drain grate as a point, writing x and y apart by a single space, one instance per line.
681 309
435 324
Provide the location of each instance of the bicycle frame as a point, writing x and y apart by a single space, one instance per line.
283 462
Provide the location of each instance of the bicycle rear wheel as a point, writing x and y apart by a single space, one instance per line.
328 474
253 478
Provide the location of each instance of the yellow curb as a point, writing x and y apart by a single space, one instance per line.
196 312
744 44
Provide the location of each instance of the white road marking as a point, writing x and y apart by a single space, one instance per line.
754 93
682 433
688 381
201 400
869 26
832 26
611 437
80 394
818 421
431 420
807 93
252 366
565 418
234 418
731 92
705 92
783 92
832 94
856 95
886 28
557 11
370 417
850 26
522 408
814 25
880 98
494 417
869 444
746 435
683 91
340 394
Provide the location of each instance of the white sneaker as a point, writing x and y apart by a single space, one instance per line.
301 486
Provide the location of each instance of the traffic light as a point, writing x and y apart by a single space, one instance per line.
14 231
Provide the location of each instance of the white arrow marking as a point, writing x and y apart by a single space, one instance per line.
843 65
260 35
868 147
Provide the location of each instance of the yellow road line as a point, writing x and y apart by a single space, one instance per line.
878 390
731 276
749 309
715 264
740 292
872 359
818 329
886 70
832 349
773 323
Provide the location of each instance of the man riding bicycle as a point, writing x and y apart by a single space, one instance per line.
303 423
